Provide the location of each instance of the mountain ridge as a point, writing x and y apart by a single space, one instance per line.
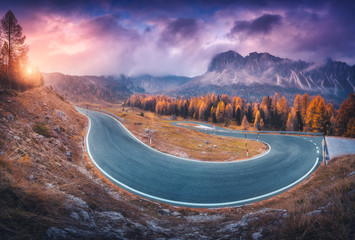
230 71
251 77
231 67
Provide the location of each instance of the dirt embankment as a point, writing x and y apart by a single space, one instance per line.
50 190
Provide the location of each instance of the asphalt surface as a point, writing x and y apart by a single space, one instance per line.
340 146
144 171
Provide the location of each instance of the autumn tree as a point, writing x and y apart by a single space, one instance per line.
229 111
244 123
270 114
346 117
220 111
257 119
283 110
321 119
261 124
311 110
290 122
202 111
350 129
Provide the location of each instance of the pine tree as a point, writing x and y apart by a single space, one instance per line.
244 123
213 114
17 49
238 115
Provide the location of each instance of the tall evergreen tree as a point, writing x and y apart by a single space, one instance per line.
238 116
17 49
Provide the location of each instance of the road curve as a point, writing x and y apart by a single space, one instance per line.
144 171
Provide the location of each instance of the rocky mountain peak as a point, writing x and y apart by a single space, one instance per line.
222 60
229 69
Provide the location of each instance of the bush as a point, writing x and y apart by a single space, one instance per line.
41 129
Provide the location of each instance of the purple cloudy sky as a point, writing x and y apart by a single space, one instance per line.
162 37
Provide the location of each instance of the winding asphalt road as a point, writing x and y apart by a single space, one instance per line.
144 171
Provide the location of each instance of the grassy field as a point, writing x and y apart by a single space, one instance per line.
184 142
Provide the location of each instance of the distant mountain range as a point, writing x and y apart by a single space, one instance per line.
109 89
252 77
260 74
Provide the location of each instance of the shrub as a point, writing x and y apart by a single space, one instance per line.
60 96
41 129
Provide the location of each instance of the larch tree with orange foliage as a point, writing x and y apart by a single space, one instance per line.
229 111
220 111
321 119
276 115
311 110
257 119
345 119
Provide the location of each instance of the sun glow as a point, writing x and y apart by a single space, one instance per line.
29 70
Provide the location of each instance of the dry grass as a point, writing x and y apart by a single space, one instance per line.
330 190
185 142
36 176
34 189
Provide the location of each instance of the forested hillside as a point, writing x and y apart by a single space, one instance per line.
273 113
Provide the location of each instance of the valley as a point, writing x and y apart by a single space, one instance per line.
83 202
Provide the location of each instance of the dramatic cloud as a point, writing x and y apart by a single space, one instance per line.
262 24
179 30
161 37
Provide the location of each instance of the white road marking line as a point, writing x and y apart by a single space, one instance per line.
187 159
317 151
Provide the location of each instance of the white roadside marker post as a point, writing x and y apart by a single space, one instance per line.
246 144
324 151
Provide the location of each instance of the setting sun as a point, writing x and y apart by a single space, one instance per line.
29 70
